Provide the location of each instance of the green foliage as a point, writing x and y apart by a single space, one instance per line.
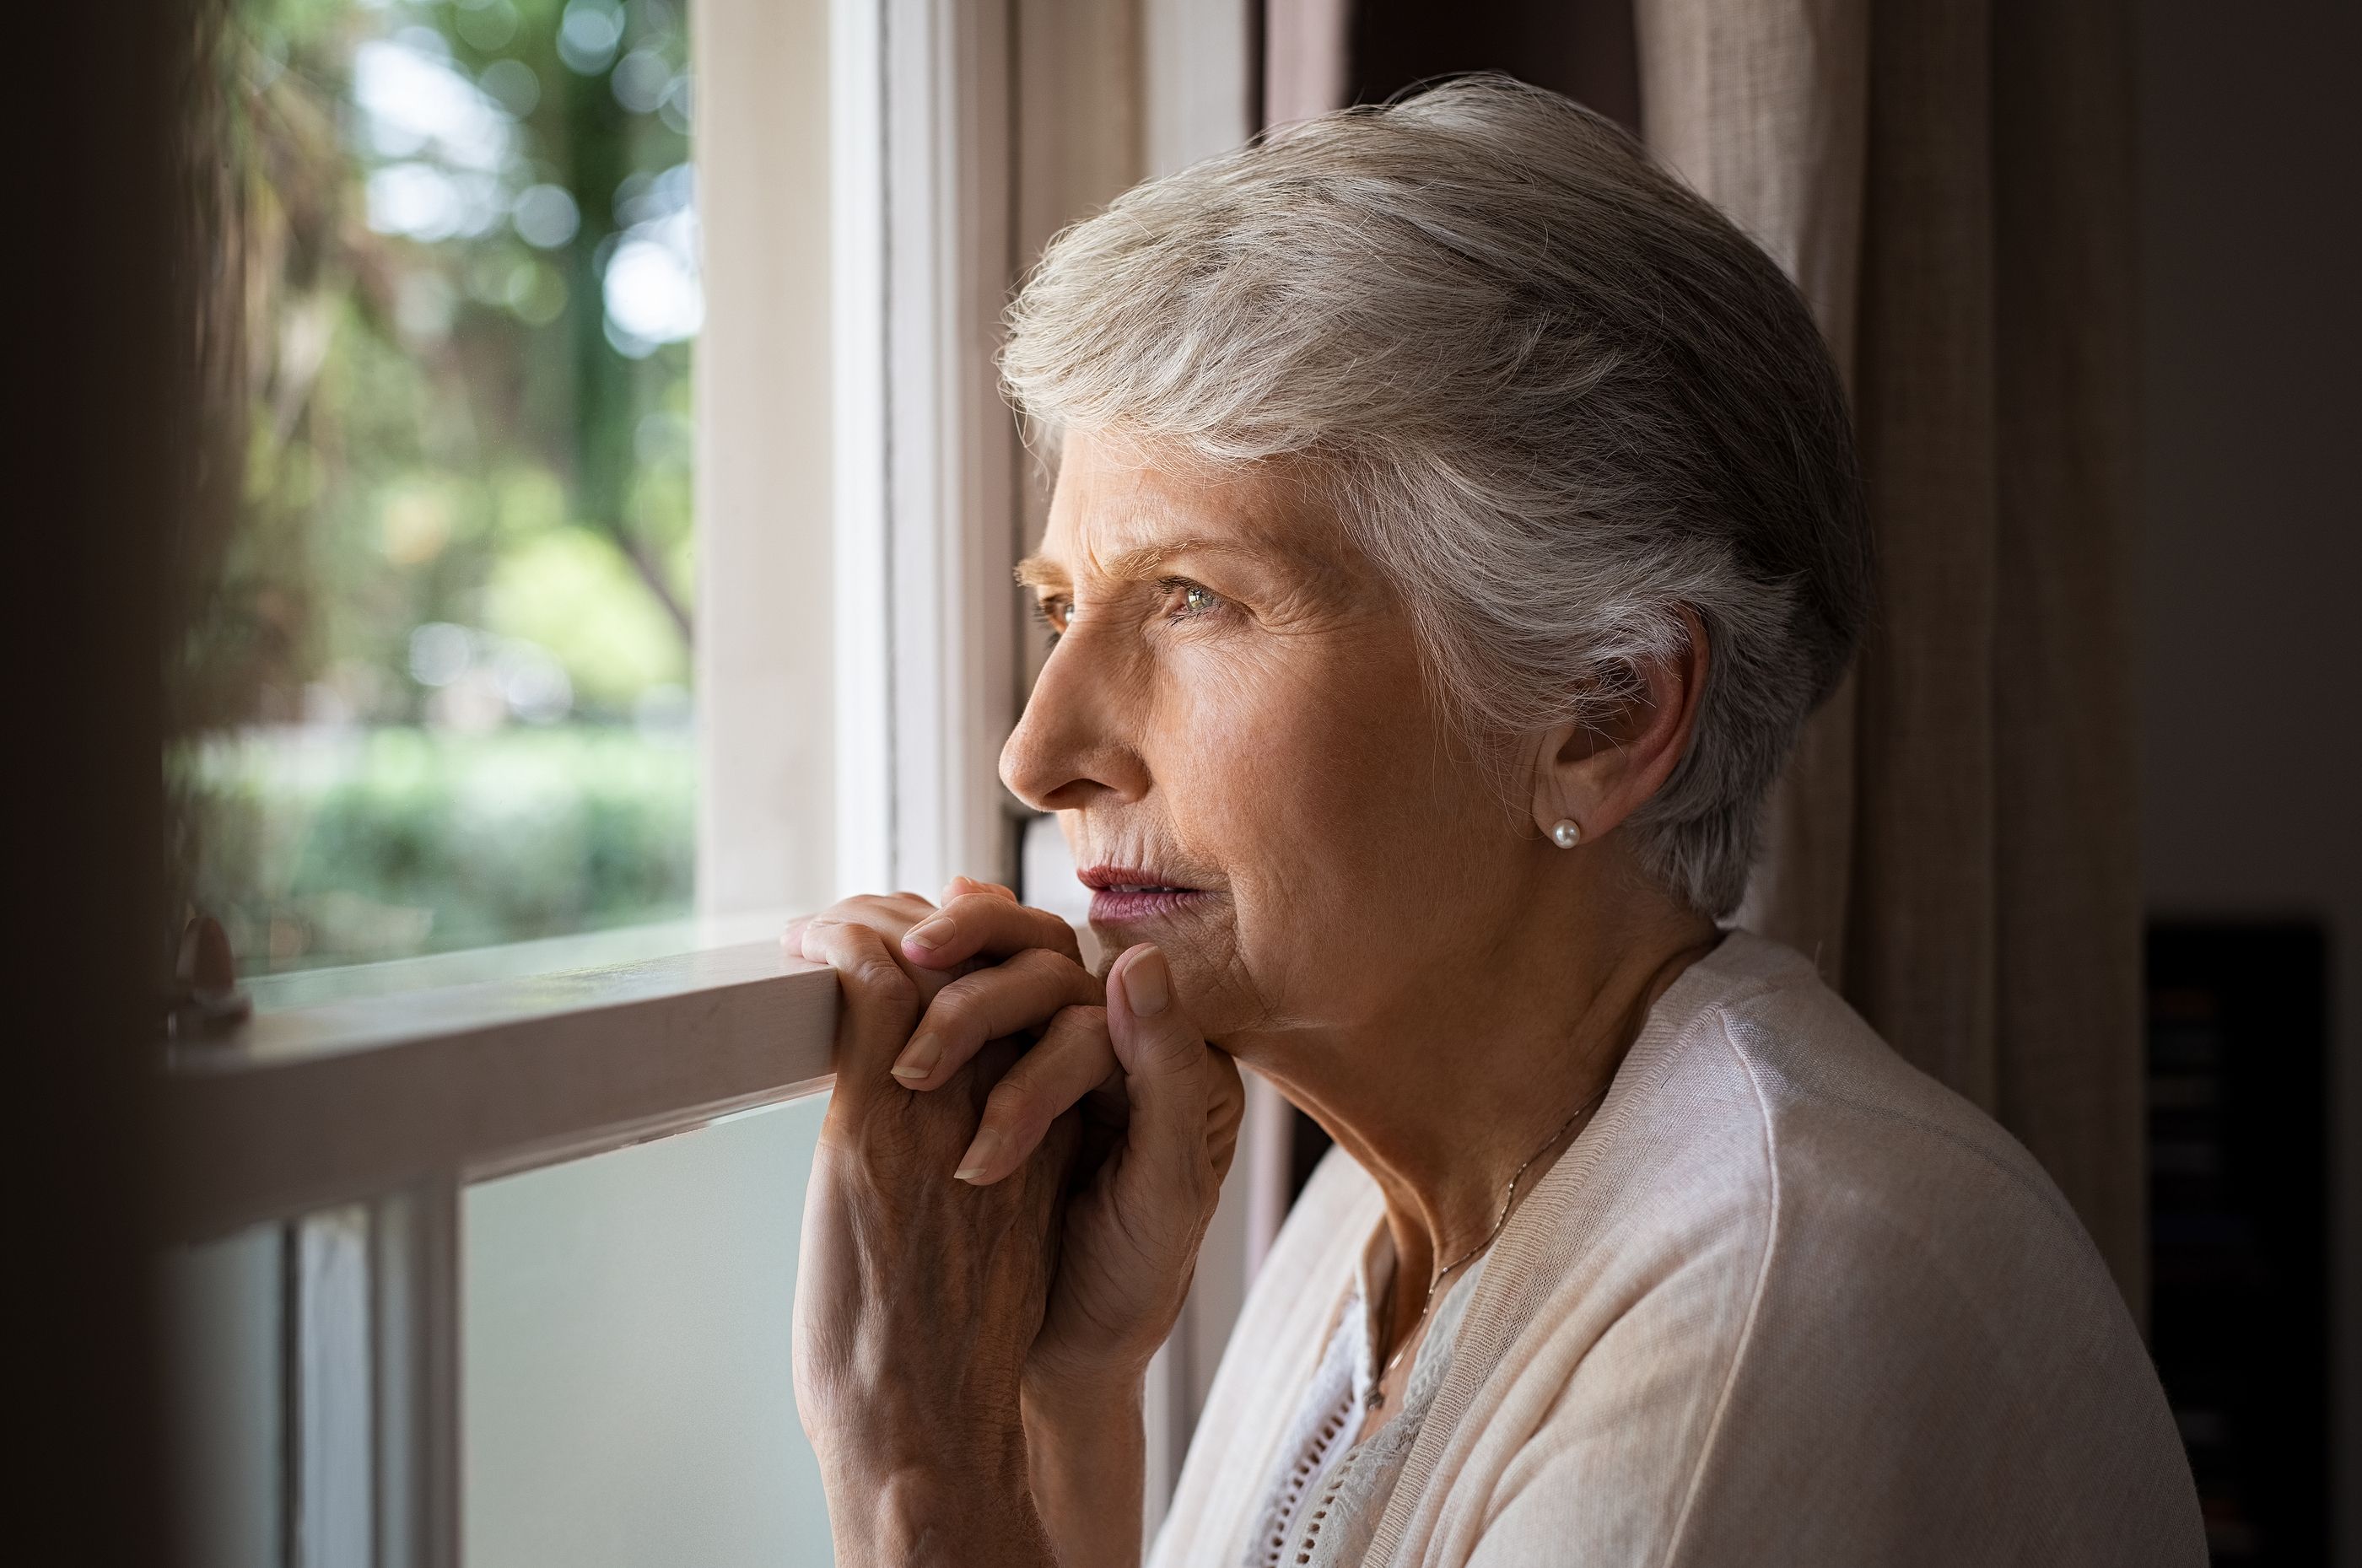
451 435
388 842
418 375
538 590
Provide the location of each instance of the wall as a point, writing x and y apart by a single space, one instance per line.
2251 552
764 456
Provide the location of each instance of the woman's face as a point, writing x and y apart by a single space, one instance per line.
1234 728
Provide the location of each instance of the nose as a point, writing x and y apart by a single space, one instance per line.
1073 744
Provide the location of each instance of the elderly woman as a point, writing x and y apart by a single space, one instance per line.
1455 519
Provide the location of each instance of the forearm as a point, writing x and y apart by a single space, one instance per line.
1087 1459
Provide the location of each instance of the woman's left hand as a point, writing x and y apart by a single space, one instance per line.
918 1297
1159 1107
1160 1112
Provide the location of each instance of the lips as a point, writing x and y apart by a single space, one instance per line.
1124 895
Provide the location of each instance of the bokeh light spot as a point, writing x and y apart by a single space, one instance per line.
588 35
545 216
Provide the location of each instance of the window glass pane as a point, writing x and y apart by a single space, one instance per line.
438 684
626 1383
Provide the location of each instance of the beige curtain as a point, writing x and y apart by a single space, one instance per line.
1950 183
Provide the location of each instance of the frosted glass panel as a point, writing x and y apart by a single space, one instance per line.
223 1328
626 1377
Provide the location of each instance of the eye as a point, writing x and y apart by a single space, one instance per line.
1056 614
1185 600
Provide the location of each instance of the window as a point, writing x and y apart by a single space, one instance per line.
439 684
497 1273
486 1253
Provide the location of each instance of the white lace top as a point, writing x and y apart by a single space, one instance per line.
1324 1500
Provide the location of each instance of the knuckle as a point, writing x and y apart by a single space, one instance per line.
1080 1018
884 982
1033 963
1053 969
867 908
1050 929
955 1006
1011 1107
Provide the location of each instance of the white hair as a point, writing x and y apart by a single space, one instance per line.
1558 397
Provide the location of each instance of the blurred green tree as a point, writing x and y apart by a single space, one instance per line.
466 271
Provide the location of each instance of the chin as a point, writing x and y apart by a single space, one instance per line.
1204 974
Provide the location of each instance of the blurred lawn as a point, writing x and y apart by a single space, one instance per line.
339 846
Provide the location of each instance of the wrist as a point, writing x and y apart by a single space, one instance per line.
1107 1393
1088 1452
937 1516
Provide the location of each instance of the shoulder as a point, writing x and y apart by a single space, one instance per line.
1765 1101
1821 1280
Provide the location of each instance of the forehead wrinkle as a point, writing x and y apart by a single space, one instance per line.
1143 562
1132 534
1147 558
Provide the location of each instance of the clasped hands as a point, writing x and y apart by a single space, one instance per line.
1017 1166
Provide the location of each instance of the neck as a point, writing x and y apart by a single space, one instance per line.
1469 1068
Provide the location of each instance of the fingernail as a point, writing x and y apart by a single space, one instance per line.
979 1156
1146 984
918 1058
930 933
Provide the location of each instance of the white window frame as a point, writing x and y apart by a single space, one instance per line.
862 497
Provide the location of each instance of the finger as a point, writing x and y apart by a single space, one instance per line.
890 914
1023 992
1165 1065
987 925
881 1002
959 885
1070 1060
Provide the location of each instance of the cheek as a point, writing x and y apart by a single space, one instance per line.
1267 756
1316 777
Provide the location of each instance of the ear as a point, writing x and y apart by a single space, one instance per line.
1597 775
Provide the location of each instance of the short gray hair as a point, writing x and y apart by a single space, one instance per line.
1556 394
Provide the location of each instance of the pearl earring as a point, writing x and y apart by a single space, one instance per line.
1566 834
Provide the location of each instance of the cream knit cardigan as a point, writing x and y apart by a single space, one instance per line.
1785 1301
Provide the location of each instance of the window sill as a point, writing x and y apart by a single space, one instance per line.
512 961
349 1085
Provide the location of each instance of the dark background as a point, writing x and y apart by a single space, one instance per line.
2251 769
95 357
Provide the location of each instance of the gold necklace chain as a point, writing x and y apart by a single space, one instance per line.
1508 1201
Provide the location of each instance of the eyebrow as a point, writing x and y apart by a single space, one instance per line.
1140 561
